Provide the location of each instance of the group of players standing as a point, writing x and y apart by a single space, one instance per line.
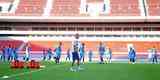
9 53
77 53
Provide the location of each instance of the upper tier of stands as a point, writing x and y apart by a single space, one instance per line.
30 7
117 7
125 8
153 7
65 8
72 7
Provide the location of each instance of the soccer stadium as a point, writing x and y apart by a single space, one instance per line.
79 39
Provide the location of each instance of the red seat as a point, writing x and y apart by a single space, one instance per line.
30 7
153 7
65 8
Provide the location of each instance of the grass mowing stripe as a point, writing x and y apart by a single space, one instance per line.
20 74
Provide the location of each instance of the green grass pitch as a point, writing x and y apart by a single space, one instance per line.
92 71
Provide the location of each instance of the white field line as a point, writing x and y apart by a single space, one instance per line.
24 73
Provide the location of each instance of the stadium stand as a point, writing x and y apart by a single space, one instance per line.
125 8
31 7
73 7
153 7
80 10
66 7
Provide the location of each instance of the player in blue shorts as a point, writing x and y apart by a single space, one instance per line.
75 53
75 56
49 52
15 53
4 53
154 53
1 56
82 51
58 51
44 54
132 55
101 52
9 53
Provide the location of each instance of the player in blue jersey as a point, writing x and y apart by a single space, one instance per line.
132 55
49 52
154 52
1 55
9 53
12 53
15 53
82 52
44 54
101 52
58 52
4 53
